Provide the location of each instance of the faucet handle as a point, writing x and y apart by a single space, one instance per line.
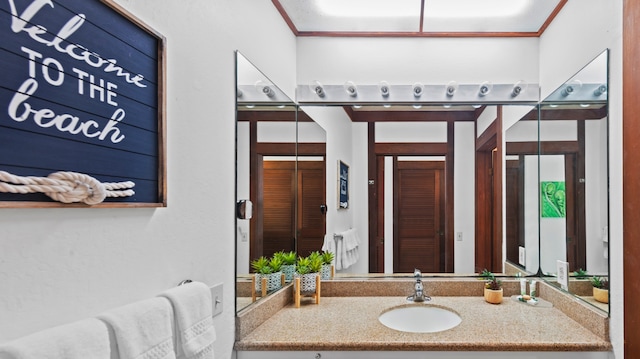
417 273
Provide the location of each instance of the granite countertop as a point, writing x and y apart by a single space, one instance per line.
351 323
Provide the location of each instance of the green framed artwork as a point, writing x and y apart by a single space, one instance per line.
553 199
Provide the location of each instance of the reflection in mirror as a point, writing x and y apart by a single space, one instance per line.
402 215
287 166
521 193
266 173
311 185
574 180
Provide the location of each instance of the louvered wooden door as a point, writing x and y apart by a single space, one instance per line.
418 216
311 195
278 209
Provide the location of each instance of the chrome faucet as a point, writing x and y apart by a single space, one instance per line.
418 289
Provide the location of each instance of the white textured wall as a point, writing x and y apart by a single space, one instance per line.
464 194
61 265
407 60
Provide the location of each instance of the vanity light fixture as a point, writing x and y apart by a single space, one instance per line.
317 88
264 88
600 90
571 87
518 88
452 87
350 88
485 88
383 86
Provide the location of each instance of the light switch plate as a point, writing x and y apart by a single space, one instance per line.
521 256
216 298
563 274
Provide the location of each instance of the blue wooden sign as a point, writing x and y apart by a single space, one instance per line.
81 90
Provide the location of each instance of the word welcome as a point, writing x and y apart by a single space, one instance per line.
22 23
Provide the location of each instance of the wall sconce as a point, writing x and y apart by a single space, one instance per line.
485 88
417 89
239 93
452 87
317 88
600 90
264 88
350 88
571 87
518 88
383 86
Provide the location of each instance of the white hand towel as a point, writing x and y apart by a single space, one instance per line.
193 310
143 330
329 245
87 338
350 249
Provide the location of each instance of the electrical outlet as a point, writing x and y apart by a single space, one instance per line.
459 236
216 298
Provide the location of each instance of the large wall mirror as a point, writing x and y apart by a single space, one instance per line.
266 137
574 202
425 183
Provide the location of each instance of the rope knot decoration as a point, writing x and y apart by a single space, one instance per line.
66 187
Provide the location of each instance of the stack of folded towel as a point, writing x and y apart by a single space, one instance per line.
176 324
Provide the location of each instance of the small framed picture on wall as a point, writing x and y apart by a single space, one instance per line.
343 185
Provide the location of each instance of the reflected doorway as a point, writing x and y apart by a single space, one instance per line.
418 216
280 219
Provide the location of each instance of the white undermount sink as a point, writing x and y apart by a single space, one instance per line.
420 319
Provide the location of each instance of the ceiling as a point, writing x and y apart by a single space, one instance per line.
419 18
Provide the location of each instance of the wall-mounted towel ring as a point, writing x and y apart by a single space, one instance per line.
185 282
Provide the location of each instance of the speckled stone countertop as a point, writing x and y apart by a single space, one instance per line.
351 323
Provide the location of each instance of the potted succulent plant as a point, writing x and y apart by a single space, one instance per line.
308 268
493 289
327 259
288 264
269 268
600 289
580 274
